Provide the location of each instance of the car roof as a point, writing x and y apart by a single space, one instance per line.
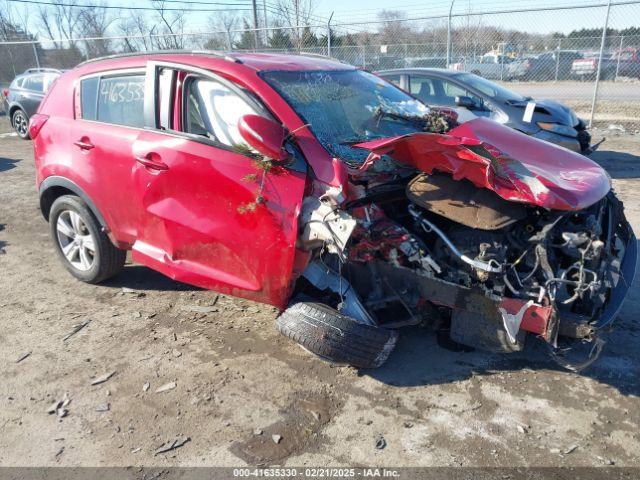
443 72
255 61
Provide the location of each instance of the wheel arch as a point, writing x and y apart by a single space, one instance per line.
54 187
12 109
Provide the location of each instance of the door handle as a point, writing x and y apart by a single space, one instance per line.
149 161
84 144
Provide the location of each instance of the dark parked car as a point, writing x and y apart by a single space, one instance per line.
473 96
333 195
24 96
554 65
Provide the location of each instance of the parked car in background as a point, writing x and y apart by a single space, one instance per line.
25 94
623 63
473 96
488 66
555 65
333 195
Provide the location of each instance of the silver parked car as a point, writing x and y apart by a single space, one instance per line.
473 96
24 95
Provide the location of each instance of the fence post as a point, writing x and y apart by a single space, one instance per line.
35 54
449 35
619 55
364 56
329 35
602 43
558 58
229 45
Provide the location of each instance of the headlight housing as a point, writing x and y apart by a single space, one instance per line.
565 130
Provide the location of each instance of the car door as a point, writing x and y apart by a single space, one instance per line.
109 116
213 214
31 93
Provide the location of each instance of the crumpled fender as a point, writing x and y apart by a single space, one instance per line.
516 166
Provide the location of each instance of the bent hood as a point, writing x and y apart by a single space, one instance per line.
517 167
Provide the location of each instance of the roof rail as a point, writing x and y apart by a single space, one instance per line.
39 70
212 53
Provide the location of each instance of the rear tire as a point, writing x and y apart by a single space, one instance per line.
336 337
84 249
20 124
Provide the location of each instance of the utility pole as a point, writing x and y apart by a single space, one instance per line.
255 23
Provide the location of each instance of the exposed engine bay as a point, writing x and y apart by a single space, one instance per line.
425 248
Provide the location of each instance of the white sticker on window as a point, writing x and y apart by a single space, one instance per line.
528 112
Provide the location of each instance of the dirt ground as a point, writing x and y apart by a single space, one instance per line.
238 382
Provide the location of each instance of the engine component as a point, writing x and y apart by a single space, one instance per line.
463 202
491 266
325 225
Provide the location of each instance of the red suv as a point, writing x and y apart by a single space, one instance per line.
324 190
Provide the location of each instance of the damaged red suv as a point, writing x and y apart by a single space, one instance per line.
321 189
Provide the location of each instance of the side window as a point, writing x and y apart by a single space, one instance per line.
121 100
422 88
395 79
212 110
89 98
34 83
451 91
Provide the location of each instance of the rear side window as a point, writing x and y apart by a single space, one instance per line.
34 83
89 97
117 100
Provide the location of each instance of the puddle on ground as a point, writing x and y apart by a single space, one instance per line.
303 419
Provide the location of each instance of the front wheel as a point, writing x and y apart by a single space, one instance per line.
20 124
84 249
335 337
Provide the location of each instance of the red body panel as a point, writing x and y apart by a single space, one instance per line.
516 166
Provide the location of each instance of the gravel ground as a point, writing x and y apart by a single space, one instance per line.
231 382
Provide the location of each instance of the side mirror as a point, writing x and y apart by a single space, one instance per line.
466 102
265 136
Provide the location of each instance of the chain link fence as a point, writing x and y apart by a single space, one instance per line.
595 69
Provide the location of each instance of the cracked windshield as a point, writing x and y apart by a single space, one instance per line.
345 107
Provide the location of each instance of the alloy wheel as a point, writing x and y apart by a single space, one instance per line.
75 240
20 124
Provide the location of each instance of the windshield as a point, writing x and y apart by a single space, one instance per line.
348 106
491 89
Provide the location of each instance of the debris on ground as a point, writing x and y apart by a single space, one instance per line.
136 450
276 438
59 407
102 378
166 387
146 386
103 407
59 452
381 443
570 449
257 431
177 353
199 309
75 329
22 357
132 292
137 314
172 445
616 128
522 428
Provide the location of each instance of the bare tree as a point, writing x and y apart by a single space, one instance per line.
136 31
170 31
225 22
295 14
95 23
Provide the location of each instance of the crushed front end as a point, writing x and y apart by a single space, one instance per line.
478 245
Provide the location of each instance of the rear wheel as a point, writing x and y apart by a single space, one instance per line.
336 337
20 124
85 250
